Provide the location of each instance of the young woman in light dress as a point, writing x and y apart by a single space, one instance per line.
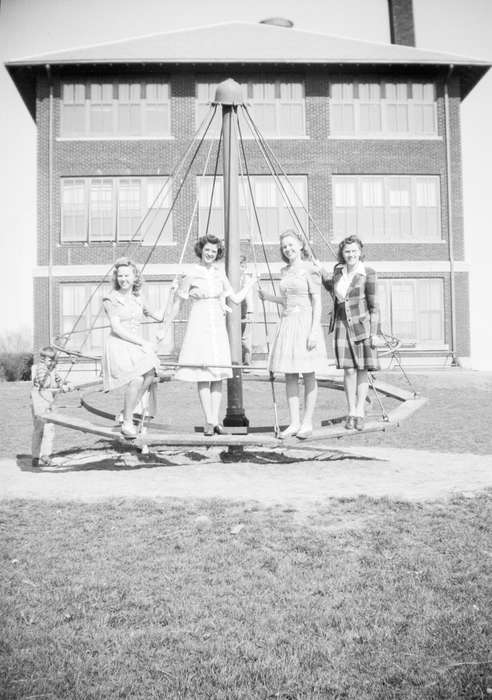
205 356
128 359
299 346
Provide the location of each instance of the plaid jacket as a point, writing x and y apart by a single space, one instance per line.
360 303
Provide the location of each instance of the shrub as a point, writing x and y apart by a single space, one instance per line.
15 366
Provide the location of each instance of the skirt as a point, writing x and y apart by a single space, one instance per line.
206 344
124 361
289 353
352 354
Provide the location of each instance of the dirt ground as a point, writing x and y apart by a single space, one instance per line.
387 465
381 472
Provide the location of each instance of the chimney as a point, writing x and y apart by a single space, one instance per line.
402 28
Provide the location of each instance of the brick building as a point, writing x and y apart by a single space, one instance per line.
368 133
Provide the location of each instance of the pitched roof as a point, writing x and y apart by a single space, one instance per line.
245 42
241 43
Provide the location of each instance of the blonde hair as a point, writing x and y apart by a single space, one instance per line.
305 255
126 262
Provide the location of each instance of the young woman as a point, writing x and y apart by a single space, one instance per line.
128 359
205 356
355 321
299 346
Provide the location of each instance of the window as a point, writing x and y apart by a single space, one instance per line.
74 302
74 219
387 208
271 205
413 310
389 109
115 210
277 108
111 109
89 337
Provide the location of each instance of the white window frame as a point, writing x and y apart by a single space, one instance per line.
155 201
247 219
386 286
67 100
387 236
205 93
340 97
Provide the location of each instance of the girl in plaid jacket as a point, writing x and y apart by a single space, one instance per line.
355 322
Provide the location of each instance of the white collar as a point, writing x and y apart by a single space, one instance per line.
359 269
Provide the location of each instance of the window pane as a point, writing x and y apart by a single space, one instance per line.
263 91
291 119
430 311
399 220
157 227
101 227
73 299
74 227
157 120
291 91
157 92
129 209
370 118
101 109
383 289
273 213
264 117
73 109
403 310
128 109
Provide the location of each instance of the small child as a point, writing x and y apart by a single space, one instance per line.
45 381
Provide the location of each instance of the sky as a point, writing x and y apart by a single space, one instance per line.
30 27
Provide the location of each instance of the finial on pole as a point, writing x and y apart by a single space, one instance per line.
229 92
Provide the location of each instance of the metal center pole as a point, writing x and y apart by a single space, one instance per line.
229 95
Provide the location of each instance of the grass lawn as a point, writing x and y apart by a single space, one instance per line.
456 418
360 599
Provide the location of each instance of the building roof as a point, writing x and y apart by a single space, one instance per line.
246 43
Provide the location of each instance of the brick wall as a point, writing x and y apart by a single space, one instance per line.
317 156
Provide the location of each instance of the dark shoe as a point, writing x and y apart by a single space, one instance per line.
35 462
350 422
220 430
208 429
359 423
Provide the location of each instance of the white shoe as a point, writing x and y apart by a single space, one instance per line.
291 431
128 430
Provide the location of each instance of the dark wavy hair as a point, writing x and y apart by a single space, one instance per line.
202 242
305 255
126 262
348 241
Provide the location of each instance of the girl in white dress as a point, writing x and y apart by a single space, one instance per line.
299 346
205 356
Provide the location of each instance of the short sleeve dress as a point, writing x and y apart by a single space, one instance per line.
123 360
206 342
289 353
